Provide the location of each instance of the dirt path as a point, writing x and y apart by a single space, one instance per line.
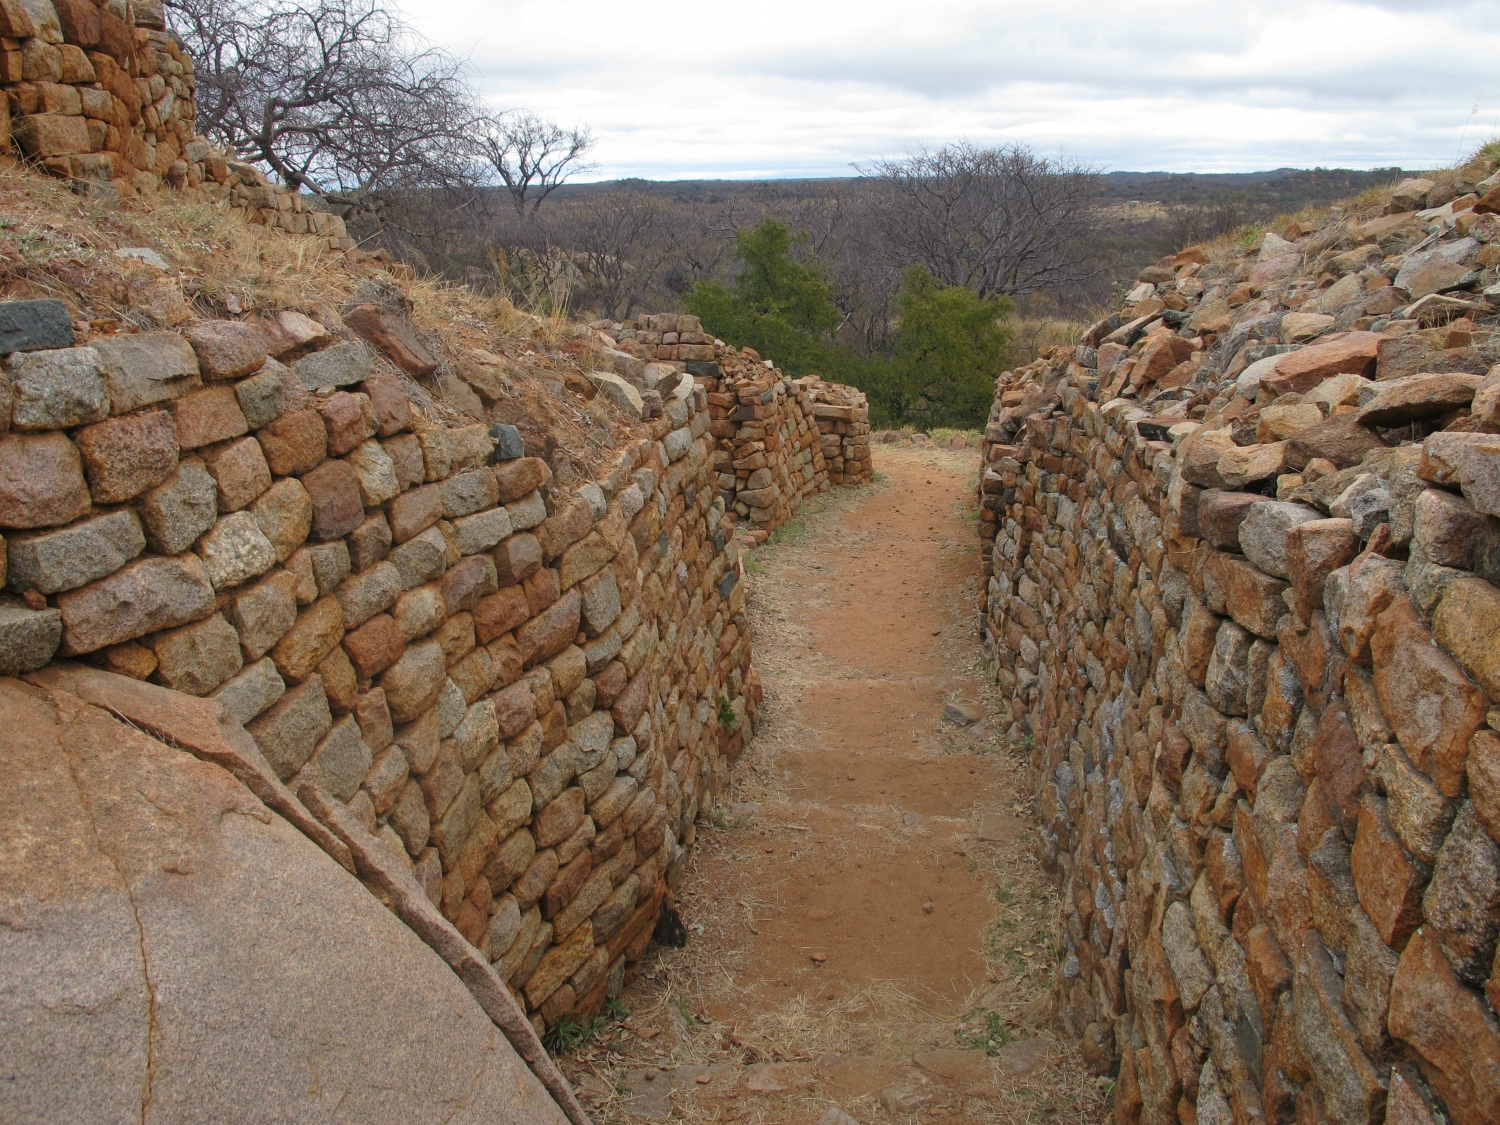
867 928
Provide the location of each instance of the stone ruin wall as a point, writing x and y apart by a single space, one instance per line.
1241 561
527 695
778 440
102 95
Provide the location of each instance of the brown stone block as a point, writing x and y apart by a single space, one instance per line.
294 443
41 481
1451 1030
517 558
499 613
413 512
1389 881
1429 702
125 456
1340 764
521 476
228 349
551 631
207 416
392 405
317 632
333 488
1314 550
348 419
375 646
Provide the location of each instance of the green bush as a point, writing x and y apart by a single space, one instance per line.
941 371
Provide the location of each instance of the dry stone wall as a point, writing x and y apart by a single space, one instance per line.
525 694
1241 596
778 440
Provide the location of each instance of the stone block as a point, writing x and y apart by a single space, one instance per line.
369 543
207 416
1467 624
262 398
340 760
240 472
235 551
1431 705
228 349
414 682
330 564
348 419
1314 550
1447 527
57 390
467 493
391 403
41 481
288 732
54 561
1244 592
339 366
517 558
1451 1030
376 473
123 457
294 443
1348 1082
517 478
601 602
1263 533
409 817
1389 881
372 591
316 633
394 335
284 515
338 508
146 367
374 719
527 512
583 560
142 597
180 509
263 613
551 631
1419 812
405 452
197 658
1462 903
465 584
28 638
28 326
248 694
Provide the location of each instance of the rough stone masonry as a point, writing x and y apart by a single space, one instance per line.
1242 551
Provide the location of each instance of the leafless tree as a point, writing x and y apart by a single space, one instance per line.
616 241
336 97
997 220
532 156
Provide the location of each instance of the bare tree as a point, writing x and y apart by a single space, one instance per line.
337 97
532 156
616 241
996 220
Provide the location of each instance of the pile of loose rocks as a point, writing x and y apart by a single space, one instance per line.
779 440
528 693
1242 550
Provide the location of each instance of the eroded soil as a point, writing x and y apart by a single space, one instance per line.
868 930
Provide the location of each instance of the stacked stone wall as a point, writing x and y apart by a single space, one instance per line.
1241 601
525 693
778 440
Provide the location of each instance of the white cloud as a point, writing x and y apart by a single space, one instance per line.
806 87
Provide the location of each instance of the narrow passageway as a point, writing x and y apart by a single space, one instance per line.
867 928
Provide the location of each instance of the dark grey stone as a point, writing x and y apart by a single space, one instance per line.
507 442
30 326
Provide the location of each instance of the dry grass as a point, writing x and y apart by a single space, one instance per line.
688 994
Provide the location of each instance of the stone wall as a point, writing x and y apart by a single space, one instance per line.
1241 562
779 440
103 96
525 694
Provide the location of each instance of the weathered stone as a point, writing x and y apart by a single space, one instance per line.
316 633
146 367
1467 624
64 560
1447 527
294 443
28 638
1431 705
252 691
465 584
262 398
28 326
339 366
414 682
1347 1081
551 631
207 416
228 349
372 591
142 597
1302 370
333 488
1237 587
349 420
518 478
235 550
240 473
1451 1030
1341 440
1389 882
263 613
57 390
199 657
1462 903
1263 533
1416 397
41 481
340 761
1419 813
125 456
517 558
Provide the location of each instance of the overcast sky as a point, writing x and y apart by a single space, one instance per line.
778 88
